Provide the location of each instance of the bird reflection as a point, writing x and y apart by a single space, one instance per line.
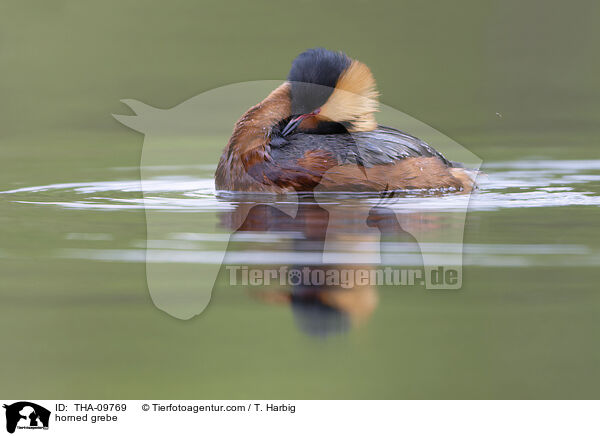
322 307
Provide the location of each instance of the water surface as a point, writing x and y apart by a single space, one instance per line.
77 254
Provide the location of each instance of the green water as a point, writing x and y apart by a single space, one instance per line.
515 83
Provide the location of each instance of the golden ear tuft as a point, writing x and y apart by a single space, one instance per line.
354 99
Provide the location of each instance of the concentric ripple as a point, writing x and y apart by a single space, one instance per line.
502 185
526 183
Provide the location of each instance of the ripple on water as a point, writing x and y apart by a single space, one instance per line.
527 183
504 185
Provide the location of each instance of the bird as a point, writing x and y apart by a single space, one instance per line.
318 131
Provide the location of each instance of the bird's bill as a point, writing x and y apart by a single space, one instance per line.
294 123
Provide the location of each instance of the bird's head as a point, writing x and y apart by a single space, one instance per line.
328 87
